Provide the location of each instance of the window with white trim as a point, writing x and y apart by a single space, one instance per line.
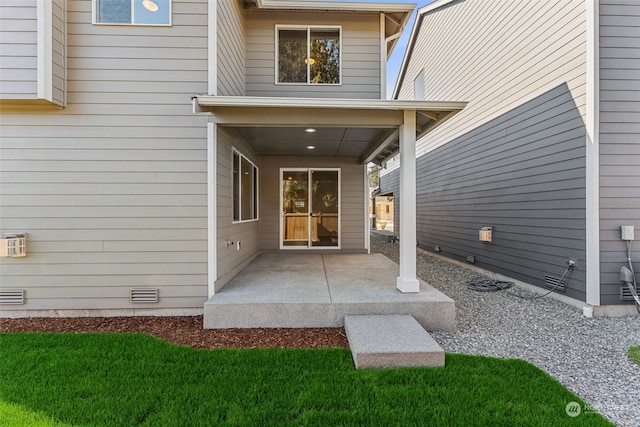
132 12
308 54
418 87
245 189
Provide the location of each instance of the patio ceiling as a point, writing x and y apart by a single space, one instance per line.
363 128
325 141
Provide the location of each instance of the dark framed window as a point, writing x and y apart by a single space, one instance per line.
308 54
245 189
132 12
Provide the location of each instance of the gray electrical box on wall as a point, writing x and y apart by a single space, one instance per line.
626 232
13 245
486 234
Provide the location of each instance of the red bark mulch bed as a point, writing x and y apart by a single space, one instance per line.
185 330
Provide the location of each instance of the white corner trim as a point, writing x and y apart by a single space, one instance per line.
212 88
44 11
383 58
367 218
212 256
592 226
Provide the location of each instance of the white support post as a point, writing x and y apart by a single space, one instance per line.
212 209
408 281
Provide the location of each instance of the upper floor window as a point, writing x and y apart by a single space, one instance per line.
308 54
132 12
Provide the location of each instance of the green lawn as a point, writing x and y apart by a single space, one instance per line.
634 354
134 379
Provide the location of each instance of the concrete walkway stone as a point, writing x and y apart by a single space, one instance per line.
390 341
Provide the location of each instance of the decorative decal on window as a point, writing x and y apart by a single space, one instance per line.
133 12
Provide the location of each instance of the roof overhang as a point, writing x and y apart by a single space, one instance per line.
396 14
274 115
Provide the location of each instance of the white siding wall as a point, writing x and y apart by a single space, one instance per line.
496 55
360 55
230 260
230 48
18 49
619 138
113 189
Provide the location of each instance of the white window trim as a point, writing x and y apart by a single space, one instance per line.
94 17
308 28
257 192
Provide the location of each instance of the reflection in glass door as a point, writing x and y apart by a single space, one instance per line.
310 208
295 208
324 208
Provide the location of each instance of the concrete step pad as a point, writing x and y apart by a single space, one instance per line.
391 341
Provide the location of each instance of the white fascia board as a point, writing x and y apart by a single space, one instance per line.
335 5
44 10
337 103
412 40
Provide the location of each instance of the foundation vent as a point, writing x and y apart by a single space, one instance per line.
625 294
553 282
470 258
12 296
144 295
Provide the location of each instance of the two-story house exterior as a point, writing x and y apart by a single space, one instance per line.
547 151
156 147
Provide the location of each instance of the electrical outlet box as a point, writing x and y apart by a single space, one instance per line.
485 234
626 232
13 245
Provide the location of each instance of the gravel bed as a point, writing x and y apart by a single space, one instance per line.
587 355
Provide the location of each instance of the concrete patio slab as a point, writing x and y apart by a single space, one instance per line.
318 290
391 341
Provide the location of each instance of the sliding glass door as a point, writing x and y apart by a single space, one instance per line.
310 208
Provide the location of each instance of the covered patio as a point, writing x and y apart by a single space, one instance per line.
361 130
280 290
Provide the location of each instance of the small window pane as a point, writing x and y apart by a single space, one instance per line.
292 56
152 12
145 12
114 11
255 192
325 56
246 203
236 187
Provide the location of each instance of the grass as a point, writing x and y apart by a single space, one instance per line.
634 354
135 379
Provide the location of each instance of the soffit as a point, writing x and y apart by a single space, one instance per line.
362 128
396 14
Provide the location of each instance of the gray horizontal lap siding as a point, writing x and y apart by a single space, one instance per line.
58 53
523 174
229 260
113 189
18 50
619 139
230 39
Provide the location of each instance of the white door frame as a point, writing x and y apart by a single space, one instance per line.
309 170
